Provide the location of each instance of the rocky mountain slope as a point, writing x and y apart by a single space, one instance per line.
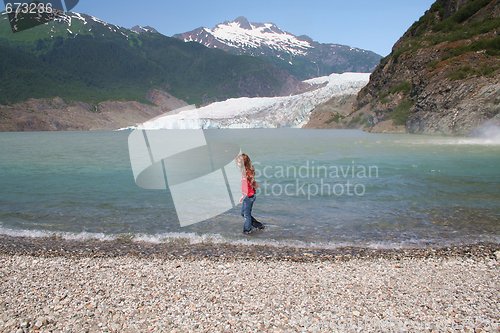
331 113
55 114
299 55
442 76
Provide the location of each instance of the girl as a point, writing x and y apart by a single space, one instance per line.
248 187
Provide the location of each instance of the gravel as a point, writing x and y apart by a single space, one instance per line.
129 293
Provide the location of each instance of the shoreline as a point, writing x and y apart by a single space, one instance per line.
53 246
56 285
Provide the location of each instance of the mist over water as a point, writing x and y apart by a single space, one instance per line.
421 190
488 133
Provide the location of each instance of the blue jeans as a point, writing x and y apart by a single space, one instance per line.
246 212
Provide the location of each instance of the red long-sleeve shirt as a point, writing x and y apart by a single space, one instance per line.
246 187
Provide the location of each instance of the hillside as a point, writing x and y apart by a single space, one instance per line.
81 58
55 114
442 76
299 55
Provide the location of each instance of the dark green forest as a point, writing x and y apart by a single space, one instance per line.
97 64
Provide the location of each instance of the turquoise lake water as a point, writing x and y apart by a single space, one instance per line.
324 187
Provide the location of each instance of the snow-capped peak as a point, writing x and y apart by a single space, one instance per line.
140 29
242 34
302 56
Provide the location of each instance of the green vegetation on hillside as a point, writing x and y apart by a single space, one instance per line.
400 114
437 26
402 87
439 75
336 117
438 20
94 64
465 71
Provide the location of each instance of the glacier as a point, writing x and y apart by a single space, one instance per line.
260 112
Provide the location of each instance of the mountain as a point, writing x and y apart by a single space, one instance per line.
82 58
442 76
299 55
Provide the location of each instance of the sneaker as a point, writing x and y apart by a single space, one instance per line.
247 232
258 225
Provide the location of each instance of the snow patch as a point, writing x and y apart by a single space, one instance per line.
79 16
95 19
63 18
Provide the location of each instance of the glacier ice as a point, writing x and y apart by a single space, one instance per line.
261 112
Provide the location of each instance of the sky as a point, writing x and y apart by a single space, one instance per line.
367 24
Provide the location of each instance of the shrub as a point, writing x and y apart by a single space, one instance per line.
490 46
403 87
464 72
468 10
384 100
356 120
400 114
336 117
447 31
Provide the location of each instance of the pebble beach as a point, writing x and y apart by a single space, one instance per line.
56 285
